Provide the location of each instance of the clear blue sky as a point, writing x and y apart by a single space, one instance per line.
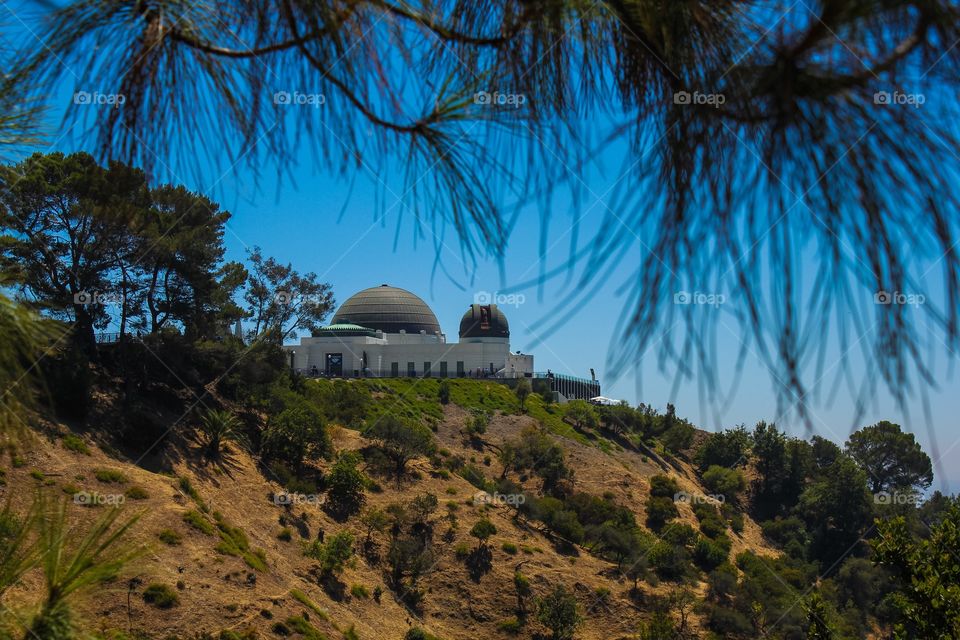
319 223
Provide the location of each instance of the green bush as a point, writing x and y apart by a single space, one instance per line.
109 476
136 493
359 591
662 486
75 443
170 537
509 547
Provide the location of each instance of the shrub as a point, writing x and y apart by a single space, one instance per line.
662 486
359 591
160 596
345 485
416 633
137 493
511 625
73 442
296 434
708 554
285 535
219 426
559 612
726 482
170 537
196 520
109 476
509 547
660 510
482 531
333 554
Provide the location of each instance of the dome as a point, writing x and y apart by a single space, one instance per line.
484 321
388 309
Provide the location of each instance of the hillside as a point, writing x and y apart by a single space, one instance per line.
245 576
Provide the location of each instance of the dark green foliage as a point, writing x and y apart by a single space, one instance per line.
400 441
333 554
727 448
670 561
710 554
662 486
559 612
482 530
416 633
581 413
443 392
926 574
837 509
725 482
892 459
660 510
296 434
345 484
535 451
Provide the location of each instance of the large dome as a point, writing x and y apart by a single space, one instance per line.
484 321
389 309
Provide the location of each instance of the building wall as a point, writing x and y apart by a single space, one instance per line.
485 356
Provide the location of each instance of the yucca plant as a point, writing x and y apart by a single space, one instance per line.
74 559
218 426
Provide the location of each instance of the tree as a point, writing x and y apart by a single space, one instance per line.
558 612
581 413
521 585
345 484
725 448
726 482
65 216
400 441
443 392
295 434
523 391
332 554
892 459
217 427
482 531
837 509
817 618
373 519
926 573
281 301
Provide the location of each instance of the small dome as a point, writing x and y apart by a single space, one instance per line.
484 321
388 309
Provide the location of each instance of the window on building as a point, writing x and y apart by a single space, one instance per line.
395 369
460 369
426 369
443 369
412 369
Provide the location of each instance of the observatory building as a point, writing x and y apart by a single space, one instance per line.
389 332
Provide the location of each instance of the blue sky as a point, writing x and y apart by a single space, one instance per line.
357 235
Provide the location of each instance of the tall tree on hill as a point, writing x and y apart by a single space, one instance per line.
892 459
64 217
281 301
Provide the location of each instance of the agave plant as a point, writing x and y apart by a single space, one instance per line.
219 426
